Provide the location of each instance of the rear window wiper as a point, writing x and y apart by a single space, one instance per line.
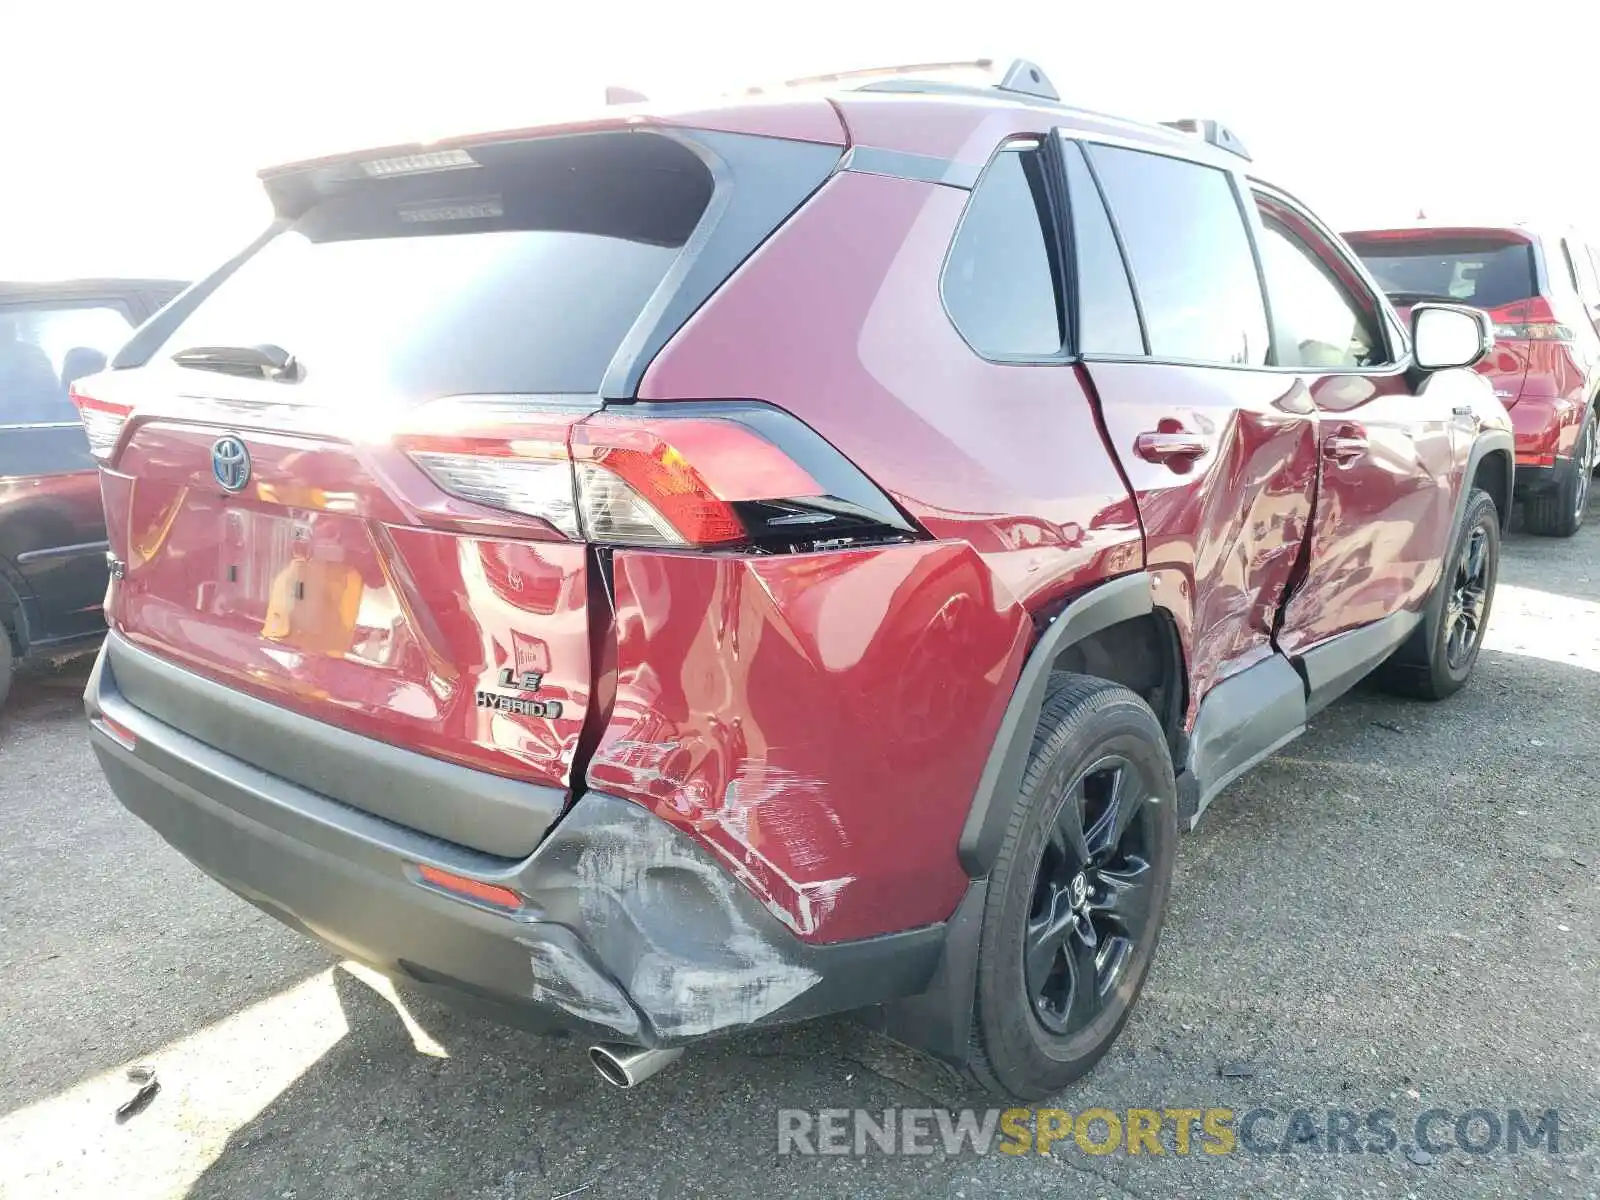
265 361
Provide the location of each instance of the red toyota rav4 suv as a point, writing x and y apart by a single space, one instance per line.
1542 289
692 571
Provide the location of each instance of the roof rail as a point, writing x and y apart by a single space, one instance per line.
1021 78
1214 133
976 64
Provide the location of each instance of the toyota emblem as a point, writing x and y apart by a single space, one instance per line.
230 463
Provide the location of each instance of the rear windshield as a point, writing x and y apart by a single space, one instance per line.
1484 272
521 271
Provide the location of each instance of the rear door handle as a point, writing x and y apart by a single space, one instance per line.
1172 447
1344 446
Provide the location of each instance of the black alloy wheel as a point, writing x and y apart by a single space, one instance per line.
1469 599
1092 896
1073 905
1586 456
1437 660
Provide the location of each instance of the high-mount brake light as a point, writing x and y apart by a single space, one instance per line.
423 163
707 476
103 421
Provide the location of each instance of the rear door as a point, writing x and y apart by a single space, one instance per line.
1220 450
1389 458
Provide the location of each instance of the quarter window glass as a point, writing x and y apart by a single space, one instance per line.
1000 282
1191 258
1318 324
1108 321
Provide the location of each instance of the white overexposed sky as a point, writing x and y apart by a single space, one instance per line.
132 128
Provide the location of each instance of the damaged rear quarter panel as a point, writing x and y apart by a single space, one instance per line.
819 721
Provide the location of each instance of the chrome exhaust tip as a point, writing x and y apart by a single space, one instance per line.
629 1066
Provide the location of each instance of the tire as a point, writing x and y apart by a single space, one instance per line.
1442 666
1559 512
1033 1032
7 664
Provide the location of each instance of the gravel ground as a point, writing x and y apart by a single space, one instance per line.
1402 912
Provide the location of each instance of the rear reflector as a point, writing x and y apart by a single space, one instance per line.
1536 460
470 889
715 475
102 422
119 732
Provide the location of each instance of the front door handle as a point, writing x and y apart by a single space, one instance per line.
1174 447
1344 446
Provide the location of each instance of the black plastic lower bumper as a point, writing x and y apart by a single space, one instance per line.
630 931
1531 480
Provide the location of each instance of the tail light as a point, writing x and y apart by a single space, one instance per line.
1538 331
709 476
102 422
1529 321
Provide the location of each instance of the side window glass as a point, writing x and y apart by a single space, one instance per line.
1588 284
1572 266
44 349
1001 280
1108 320
1319 325
1190 256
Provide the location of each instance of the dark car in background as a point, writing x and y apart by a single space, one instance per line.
1542 289
52 533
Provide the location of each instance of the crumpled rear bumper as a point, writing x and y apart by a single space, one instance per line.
629 930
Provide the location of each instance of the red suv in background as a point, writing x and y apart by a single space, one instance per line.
1542 289
694 570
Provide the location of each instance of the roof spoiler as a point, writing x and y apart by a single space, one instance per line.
1213 133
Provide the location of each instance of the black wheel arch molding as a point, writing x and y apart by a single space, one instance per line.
1121 599
1489 442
